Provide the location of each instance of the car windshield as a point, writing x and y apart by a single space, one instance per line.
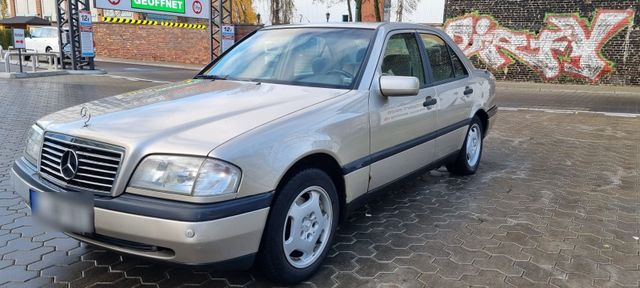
39 33
321 57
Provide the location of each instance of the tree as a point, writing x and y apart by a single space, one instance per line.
243 12
4 9
358 10
333 2
281 11
376 6
405 6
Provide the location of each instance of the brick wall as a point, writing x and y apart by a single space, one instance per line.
157 43
560 41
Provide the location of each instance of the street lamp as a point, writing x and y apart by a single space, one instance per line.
328 15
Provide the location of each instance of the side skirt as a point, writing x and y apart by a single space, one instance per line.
362 200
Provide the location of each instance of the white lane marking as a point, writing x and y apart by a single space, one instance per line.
134 79
568 111
551 90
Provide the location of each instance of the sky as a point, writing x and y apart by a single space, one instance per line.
313 11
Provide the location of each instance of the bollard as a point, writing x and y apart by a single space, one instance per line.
34 63
7 62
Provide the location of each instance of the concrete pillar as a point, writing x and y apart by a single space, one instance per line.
39 8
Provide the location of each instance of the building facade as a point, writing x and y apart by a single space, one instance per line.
46 9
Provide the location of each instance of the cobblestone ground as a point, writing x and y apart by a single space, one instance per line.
556 203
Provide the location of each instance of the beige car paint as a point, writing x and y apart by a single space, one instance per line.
189 118
265 129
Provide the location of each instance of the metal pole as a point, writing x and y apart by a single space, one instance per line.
34 62
61 34
20 59
211 31
71 14
221 17
89 59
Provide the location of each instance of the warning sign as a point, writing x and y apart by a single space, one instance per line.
228 36
86 34
18 39
183 8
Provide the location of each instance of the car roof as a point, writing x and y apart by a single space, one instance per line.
355 25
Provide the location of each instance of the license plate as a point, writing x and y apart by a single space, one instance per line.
69 212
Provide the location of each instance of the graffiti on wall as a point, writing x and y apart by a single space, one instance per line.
568 44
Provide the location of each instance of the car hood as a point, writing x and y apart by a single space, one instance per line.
189 117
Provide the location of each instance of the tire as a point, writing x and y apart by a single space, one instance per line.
293 205
48 50
470 155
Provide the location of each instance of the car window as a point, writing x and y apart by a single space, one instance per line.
319 57
37 33
458 67
439 57
402 57
52 33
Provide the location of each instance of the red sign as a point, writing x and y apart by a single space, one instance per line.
196 6
114 2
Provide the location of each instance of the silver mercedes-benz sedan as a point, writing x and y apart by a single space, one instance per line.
265 151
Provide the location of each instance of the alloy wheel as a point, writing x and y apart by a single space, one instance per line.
307 227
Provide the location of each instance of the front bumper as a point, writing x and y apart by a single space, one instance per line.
185 233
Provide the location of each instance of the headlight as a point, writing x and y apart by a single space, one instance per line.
197 176
34 144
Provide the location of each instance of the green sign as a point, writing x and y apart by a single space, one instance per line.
175 6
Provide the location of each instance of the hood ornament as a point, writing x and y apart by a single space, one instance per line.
84 113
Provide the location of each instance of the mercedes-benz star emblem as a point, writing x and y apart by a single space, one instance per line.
84 113
69 164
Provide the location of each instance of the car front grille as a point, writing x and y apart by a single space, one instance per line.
97 163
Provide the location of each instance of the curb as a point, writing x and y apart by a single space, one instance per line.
87 72
26 75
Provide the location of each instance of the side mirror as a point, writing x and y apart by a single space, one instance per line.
398 86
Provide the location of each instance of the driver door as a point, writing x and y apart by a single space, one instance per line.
400 126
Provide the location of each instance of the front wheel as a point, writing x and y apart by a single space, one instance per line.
300 228
469 158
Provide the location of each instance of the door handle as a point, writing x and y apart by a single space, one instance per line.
468 91
430 101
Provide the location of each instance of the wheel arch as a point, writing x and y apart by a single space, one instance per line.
484 120
324 162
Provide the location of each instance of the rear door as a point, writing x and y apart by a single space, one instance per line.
455 93
400 126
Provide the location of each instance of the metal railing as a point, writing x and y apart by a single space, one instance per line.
53 59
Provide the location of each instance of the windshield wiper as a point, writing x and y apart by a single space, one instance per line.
211 77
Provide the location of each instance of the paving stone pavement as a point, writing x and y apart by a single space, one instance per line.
556 203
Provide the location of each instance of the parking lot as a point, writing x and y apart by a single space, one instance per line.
556 203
